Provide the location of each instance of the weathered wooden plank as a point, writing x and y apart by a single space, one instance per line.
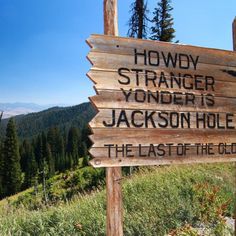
234 34
150 119
97 162
113 81
114 220
163 102
114 201
147 136
200 82
126 46
113 62
234 48
164 151
98 59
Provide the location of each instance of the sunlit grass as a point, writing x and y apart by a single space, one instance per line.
156 200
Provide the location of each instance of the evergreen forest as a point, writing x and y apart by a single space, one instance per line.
57 141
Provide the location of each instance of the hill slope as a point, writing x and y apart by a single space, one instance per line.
18 108
63 117
156 201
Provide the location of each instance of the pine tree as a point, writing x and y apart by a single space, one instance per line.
11 161
32 172
138 20
1 169
56 143
50 161
83 150
68 161
41 154
44 174
61 155
85 136
24 153
1 161
52 141
31 168
38 151
163 22
48 156
85 161
73 143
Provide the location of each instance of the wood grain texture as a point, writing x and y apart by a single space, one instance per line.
158 122
116 100
234 34
114 220
97 162
109 53
125 46
147 136
110 17
171 152
114 201
234 48
109 62
224 84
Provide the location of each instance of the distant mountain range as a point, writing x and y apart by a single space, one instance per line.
30 125
14 109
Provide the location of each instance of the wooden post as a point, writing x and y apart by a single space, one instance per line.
110 17
234 34
114 225
234 47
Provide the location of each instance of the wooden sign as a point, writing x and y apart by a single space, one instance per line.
161 103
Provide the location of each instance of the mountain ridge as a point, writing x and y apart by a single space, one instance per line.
30 125
20 108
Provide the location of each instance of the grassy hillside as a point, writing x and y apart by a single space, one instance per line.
63 117
156 202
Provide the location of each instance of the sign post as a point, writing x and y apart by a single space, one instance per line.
161 103
234 34
158 103
114 220
234 47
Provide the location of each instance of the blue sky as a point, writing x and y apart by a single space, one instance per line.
43 50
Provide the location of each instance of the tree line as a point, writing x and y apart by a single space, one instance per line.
161 21
31 162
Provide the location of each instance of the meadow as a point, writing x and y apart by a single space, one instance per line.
169 200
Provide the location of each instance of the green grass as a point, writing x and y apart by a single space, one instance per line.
156 201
